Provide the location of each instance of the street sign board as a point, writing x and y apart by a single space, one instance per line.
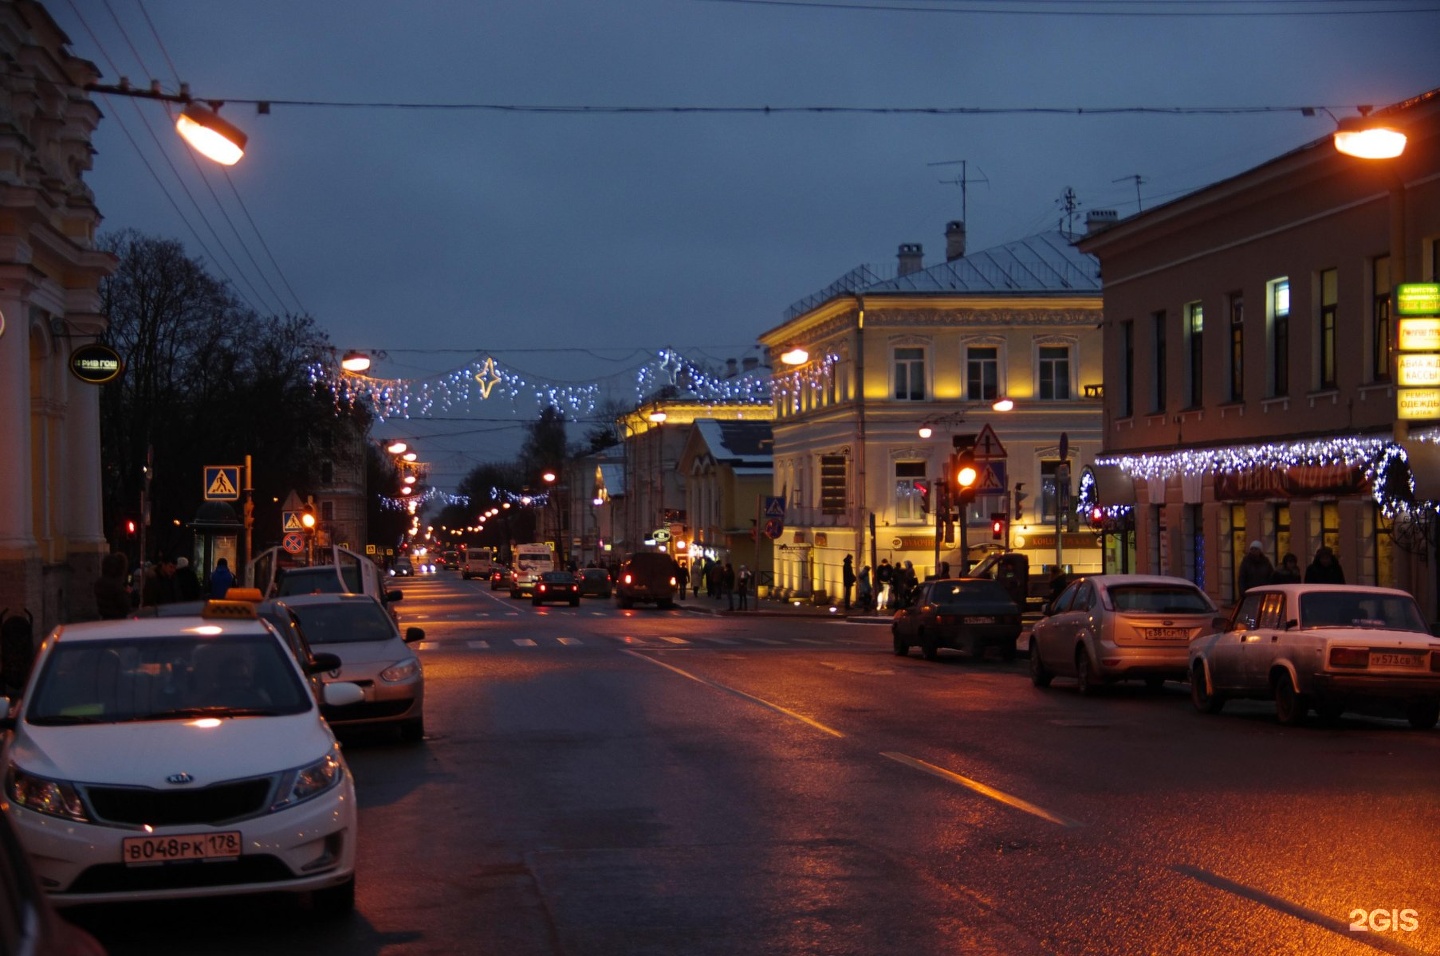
774 507
222 482
293 543
987 444
660 534
1418 298
1420 334
774 527
992 477
290 521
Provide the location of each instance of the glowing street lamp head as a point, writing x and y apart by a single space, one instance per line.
396 447
795 356
1368 138
549 477
1003 404
657 417
356 362
926 431
211 136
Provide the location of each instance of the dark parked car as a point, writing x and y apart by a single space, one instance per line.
556 586
968 614
594 582
648 577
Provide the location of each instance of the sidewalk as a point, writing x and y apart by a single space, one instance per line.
768 607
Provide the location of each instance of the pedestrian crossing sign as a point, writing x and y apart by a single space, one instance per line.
291 521
222 482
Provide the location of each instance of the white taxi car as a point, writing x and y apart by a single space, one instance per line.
1330 647
161 758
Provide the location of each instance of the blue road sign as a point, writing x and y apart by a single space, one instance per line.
992 477
774 506
222 482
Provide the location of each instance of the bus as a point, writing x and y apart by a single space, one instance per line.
477 563
531 561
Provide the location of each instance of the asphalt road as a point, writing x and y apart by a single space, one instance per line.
598 781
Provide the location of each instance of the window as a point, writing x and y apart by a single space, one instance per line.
1157 399
1380 321
1195 328
327 511
910 374
982 374
1049 491
1237 347
833 497
1325 345
907 496
1127 369
1280 337
1055 372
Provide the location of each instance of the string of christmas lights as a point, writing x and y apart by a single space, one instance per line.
412 502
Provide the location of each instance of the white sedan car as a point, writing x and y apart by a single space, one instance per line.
164 758
1329 647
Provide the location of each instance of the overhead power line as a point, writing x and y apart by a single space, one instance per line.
1115 8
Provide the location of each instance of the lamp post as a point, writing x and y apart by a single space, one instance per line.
199 122
657 418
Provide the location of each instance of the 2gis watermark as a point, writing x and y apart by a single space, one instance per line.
1384 920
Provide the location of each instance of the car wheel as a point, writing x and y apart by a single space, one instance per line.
1039 676
901 646
335 901
1085 673
413 731
1009 649
1200 696
929 646
1329 711
1290 705
1423 716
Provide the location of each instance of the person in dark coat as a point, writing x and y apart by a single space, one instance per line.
727 583
112 591
847 579
221 579
884 584
1288 572
187 586
1324 569
1255 568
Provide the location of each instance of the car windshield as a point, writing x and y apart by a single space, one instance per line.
1159 599
344 622
321 580
1393 612
166 678
969 590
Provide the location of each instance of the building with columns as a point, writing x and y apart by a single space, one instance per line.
51 524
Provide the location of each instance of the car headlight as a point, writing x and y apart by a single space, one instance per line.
404 670
56 798
310 781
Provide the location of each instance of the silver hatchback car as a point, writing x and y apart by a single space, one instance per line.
1113 627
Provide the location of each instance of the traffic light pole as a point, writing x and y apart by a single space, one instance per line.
935 498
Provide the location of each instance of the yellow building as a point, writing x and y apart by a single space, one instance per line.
936 346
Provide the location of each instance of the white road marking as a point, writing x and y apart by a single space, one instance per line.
674 640
524 642
740 693
570 641
478 645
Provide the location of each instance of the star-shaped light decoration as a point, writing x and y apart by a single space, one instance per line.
673 365
488 378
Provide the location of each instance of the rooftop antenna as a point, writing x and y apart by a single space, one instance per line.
1070 208
962 181
1138 181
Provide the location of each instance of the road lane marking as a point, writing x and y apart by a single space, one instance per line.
1339 927
673 640
764 640
739 693
982 789
478 645
718 640
570 641
524 642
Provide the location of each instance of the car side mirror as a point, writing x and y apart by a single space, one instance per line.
1291 624
342 694
322 662
414 634
1220 623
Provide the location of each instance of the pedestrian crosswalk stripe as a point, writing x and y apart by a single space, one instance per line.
719 640
761 640
674 640
570 641
524 642
478 645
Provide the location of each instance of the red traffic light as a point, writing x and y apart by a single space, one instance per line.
922 485
1097 516
997 529
129 527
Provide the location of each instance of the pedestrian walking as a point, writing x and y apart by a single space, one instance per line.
727 584
1288 572
221 579
682 578
697 571
187 586
1255 568
884 578
847 578
1324 569
112 590
863 593
742 585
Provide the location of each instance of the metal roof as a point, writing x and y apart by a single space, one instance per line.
737 442
1043 264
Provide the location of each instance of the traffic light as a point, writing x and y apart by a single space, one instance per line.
922 485
129 527
1020 497
963 478
1097 517
997 527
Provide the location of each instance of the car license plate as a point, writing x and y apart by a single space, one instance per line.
1378 659
182 846
1166 633
980 619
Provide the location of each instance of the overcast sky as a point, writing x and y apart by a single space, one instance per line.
572 248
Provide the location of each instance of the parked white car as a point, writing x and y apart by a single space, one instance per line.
171 757
1329 647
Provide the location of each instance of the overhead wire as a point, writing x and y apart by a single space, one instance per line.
999 7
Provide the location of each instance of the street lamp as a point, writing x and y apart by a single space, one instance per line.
358 362
927 427
1368 138
198 123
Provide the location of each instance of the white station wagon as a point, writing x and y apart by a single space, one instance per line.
1329 647
170 757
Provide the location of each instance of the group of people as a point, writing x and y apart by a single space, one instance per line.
887 588
719 580
1256 569
164 581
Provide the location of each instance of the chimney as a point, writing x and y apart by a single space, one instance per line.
1097 219
954 240
749 363
912 257
730 368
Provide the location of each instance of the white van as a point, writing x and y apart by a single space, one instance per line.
531 561
477 563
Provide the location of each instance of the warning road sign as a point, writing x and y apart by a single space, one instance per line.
992 478
987 444
774 506
222 482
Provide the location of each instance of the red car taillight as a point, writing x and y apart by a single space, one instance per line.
1349 657
629 579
